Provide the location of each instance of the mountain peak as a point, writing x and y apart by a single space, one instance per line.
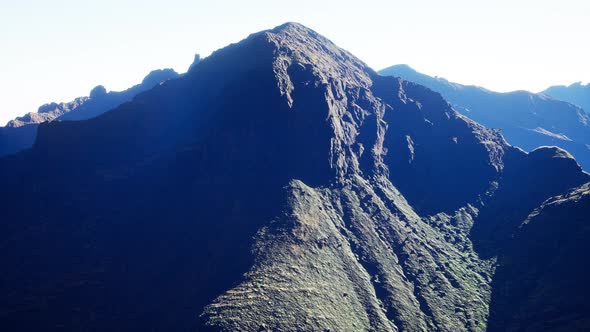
159 75
281 185
403 66
298 48
291 26
98 91
548 152
196 61
399 70
296 34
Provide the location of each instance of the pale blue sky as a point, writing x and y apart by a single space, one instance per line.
55 50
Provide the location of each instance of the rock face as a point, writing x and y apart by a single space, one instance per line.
539 276
527 120
576 94
195 62
20 133
281 185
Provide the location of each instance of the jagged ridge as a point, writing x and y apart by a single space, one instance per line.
20 133
281 184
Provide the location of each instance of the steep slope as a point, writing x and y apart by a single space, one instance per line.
576 94
280 185
20 133
526 119
540 279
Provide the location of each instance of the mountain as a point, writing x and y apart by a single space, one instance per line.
20 133
527 120
282 184
533 272
576 94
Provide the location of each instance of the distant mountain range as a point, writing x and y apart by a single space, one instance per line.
527 120
20 133
283 185
576 94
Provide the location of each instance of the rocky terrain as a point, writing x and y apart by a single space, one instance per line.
539 278
280 185
20 133
527 120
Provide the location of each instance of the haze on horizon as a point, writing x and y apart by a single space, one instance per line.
59 50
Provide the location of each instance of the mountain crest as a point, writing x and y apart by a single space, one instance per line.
283 185
98 91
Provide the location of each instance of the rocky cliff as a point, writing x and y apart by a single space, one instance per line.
283 185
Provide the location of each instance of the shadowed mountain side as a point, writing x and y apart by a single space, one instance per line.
518 193
538 285
21 132
280 185
576 94
216 134
527 120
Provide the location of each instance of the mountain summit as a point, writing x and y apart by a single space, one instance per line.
284 185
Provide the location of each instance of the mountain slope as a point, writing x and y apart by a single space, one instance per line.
540 280
280 185
20 133
576 94
526 119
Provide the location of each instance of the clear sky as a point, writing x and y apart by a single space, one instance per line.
57 50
